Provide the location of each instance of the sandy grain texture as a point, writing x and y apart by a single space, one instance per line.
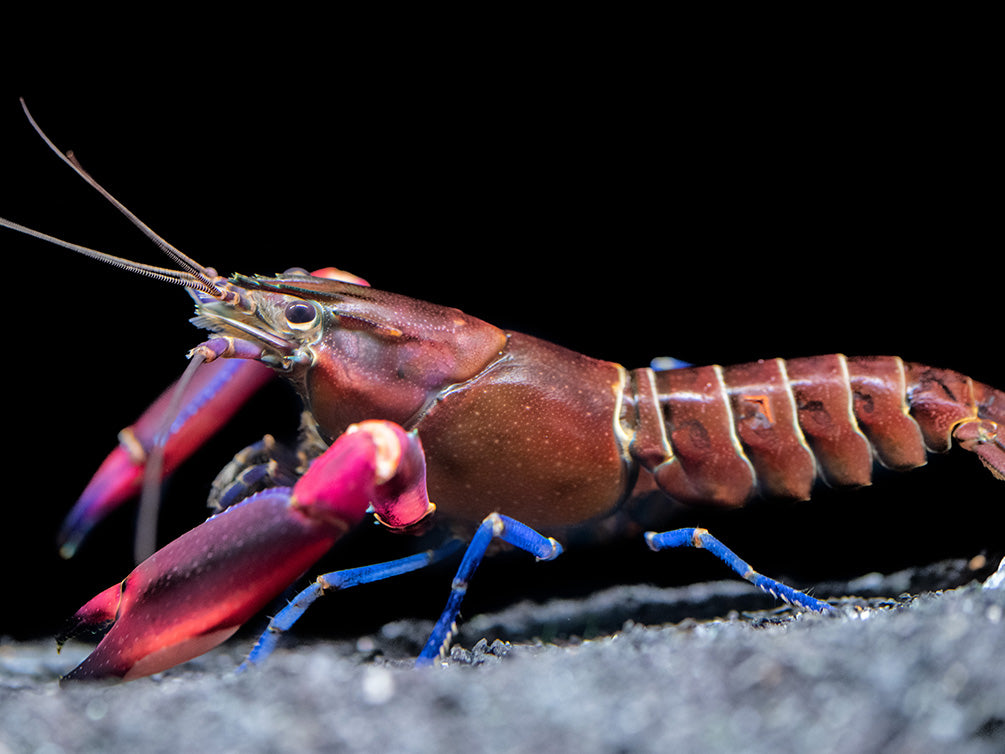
918 674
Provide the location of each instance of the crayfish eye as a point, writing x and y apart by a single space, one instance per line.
300 315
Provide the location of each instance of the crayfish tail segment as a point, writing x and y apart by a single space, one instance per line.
987 440
948 405
985 435
718 435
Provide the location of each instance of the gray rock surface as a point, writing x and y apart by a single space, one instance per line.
911 674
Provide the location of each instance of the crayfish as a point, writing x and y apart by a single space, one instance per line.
415 411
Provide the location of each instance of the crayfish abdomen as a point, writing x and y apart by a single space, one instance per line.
720 433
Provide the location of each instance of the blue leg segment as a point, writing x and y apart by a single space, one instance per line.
494 526
350 577
701 539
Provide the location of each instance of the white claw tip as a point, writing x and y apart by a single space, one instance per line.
389 449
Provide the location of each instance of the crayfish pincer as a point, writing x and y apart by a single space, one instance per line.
406 402
197 591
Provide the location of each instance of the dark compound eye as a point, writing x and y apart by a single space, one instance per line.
300 313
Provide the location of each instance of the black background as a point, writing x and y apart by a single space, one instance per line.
749 212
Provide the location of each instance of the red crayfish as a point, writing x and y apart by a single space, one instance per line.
504 432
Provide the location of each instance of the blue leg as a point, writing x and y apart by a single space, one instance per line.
495 525
701 539
350 577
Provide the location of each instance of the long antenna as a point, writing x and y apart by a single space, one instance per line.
193 275
186 262
159 273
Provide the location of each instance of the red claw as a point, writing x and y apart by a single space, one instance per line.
214 395
197 591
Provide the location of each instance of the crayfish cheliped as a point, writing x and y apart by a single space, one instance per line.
516 433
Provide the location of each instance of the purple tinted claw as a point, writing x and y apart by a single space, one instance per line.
213 396
197 591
